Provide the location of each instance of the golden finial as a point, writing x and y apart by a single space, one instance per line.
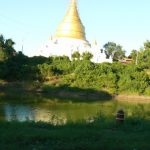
71 26
73 2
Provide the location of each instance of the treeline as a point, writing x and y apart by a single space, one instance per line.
82 73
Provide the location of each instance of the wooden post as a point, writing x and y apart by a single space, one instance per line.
120 116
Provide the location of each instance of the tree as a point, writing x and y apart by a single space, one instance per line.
113 50
133 54
147 45
87 56
144 56
6 48
2 41
45 71
76 55
9 49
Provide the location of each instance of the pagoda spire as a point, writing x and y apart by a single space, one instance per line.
71 26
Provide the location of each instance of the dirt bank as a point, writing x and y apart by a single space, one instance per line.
133 98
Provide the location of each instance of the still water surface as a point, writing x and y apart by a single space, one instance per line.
52 112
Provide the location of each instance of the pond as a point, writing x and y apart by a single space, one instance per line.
57 111
54 112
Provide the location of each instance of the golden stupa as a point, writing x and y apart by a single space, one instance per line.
71 26
70 37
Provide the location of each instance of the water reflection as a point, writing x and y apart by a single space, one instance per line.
18 112
50 116
26 113
56 114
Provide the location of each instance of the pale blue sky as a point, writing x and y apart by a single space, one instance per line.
32 22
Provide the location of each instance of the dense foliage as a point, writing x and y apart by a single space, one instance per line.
82 73
142 57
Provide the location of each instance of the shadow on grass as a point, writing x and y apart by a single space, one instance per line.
20 91
31 135
75 94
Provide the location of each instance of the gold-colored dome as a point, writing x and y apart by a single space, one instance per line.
71 26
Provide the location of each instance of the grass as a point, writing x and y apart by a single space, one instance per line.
103 134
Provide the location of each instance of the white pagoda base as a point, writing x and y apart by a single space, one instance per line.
67 46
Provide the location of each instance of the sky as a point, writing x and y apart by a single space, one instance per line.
32 22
